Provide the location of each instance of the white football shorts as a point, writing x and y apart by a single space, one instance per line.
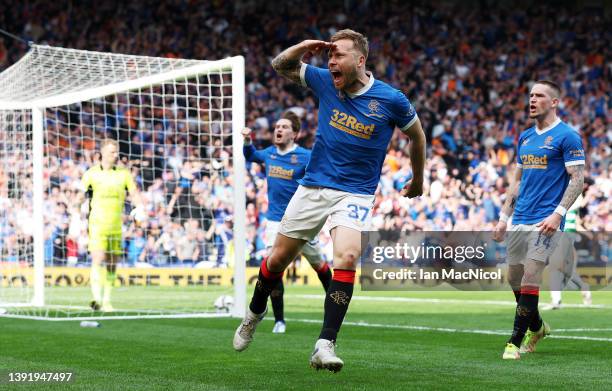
310 207
272 230
526 242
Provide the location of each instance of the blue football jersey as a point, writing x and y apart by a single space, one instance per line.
354 132
543 156
282 173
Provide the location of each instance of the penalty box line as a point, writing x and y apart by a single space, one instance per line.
444 329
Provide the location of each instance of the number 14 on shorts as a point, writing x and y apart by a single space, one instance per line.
358 212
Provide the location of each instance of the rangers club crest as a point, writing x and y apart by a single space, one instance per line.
548 140
294 159
339 297
374 106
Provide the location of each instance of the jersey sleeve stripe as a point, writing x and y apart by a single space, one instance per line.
574 163
409 124
303 74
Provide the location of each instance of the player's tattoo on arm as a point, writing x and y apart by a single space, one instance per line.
512 196
574 187
510 203
287 67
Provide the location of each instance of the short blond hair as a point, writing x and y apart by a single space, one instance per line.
109 141
360 42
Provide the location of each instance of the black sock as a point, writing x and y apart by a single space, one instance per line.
276 297
525 310
325 276
536 320
337 300
266 282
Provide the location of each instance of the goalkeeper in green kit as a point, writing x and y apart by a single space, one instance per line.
106 185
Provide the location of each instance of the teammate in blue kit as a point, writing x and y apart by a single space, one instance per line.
285 163
548 179
357 117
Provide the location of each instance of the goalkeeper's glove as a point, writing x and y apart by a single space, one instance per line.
139 215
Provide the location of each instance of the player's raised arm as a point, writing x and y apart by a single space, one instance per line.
414 187
250 153
289 61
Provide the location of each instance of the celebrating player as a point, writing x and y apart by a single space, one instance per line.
548 179
285 163
106 184
357 117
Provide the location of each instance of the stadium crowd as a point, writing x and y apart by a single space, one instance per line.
467 69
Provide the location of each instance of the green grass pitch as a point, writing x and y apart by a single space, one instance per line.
419 340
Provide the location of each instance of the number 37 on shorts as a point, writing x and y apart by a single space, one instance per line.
311 207
354 211
358 212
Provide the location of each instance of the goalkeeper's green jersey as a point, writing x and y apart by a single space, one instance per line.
107 191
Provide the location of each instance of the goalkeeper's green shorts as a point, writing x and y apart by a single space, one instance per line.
109 242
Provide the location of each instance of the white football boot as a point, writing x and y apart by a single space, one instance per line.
244 333
279 327
324 356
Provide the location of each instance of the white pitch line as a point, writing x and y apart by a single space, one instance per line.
66 308
445 329
580 329
441 301
119 317
587 330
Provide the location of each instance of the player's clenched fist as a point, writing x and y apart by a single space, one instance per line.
412 189
246 133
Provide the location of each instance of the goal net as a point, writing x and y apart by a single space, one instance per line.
176 123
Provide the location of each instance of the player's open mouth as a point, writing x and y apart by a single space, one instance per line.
532 107
336 76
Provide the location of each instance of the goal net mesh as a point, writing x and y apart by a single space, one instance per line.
174 136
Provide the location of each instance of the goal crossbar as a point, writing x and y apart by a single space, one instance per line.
128 85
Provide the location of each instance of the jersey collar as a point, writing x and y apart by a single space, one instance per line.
363 89
549 127
287 151
114 168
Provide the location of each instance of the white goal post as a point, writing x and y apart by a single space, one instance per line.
43 99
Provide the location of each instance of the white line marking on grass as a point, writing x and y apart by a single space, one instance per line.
444 329
441 301
554 331
580 329
118 317
136 311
